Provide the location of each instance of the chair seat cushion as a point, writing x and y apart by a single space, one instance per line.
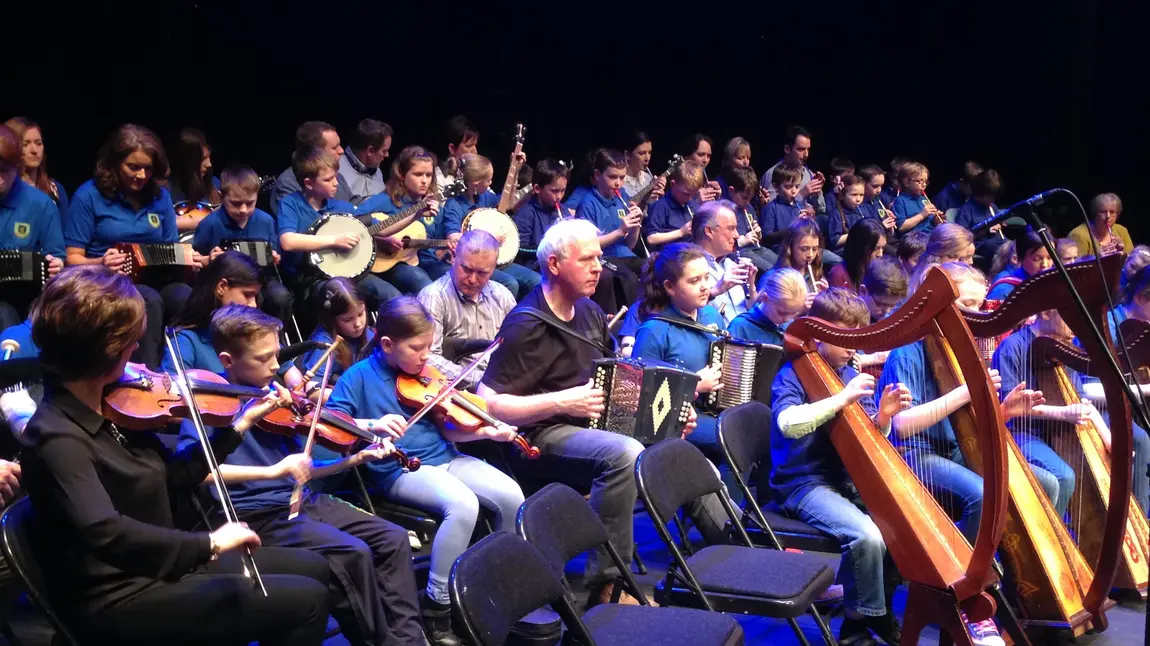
785 525
612 624
755 572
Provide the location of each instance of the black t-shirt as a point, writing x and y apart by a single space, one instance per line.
536 358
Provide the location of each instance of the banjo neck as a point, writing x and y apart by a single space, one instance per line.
507 197
374 227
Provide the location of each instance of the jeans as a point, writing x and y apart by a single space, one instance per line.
277 300
604 463
1141 490
455 490
627 287
377 290
523 278
764 259
434 268
1051 471
406 278
838 512
956 488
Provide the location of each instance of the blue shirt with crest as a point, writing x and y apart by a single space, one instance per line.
666 215
195 346
777 215
257 449
607 214
753 325
296 215
905 206
94 223
678 345
218 226
30 221
908 365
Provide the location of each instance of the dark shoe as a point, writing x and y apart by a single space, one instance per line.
854 632
886 627
437 623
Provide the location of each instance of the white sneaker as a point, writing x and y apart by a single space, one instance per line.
983 633
416 544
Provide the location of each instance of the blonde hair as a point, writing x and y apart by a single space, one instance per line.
909 170
782 284
476 168
958 272
948 240
689 174
241 179
306 163
841 307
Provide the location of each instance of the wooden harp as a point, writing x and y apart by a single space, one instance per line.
1136 335
945 573
1084 447
1055 585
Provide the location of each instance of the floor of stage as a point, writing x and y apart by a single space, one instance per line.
1127 621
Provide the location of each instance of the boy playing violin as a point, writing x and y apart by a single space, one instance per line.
372 589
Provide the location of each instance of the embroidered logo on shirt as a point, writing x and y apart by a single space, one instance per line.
154 220
622 214
22 230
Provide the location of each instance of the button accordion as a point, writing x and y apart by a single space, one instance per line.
748 368
175 256
644 399
18 266
258 250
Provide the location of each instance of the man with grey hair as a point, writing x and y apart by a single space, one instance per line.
465 304
540 379
715 231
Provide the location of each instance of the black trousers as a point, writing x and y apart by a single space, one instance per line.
372 591
161 305
220 606
627 288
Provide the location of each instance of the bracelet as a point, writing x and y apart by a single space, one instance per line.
314 387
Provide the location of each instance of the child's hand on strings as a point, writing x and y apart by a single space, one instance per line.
895 399
1021 401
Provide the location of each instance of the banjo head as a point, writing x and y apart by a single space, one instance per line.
343 264
497 224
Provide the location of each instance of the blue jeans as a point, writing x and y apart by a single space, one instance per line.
838 512
956 488
706 437
1141 458
377 290
523 278
455 490
1051 471
434 268
764 259
406 278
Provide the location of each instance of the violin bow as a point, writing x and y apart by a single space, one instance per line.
297 493
449 388
184 384
311 372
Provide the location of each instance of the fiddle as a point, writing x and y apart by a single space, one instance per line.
144 400
460 411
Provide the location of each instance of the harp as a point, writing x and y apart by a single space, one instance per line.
1136 335
1083 448
1055 586
945 573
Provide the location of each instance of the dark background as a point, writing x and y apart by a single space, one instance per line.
1038 93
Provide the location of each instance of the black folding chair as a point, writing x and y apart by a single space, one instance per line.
559 523
729 578
501 579
745 439
18 551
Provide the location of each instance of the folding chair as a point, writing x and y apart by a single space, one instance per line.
730 578
21 557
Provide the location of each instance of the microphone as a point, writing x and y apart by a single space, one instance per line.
1004 214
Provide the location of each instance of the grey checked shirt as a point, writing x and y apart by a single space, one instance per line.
457 317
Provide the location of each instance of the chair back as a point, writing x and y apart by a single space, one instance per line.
672 473
558 522
15 526
500 579
745 436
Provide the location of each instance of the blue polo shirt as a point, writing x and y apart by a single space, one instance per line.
219 226
95 223
576 198
665 215
22 333
888 195
869 209
802 464
971 213
678 345
777 215
367 391
906 206
950 197
30 221
296 215
533 220
257 449
357 346
1001 288
1015 363
753 325
631 322
836 226
607 214
908 365
62 201
195 346
450 218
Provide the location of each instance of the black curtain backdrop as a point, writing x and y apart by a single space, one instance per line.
1037 92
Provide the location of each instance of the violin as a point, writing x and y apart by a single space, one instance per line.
144 400
461 411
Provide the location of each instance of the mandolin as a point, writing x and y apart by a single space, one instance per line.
414 238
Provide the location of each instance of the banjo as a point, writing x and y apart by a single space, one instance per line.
496 221
357 261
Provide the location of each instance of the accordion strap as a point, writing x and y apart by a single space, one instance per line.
691 325
555 323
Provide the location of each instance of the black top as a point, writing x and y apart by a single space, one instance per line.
537 358
104 530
